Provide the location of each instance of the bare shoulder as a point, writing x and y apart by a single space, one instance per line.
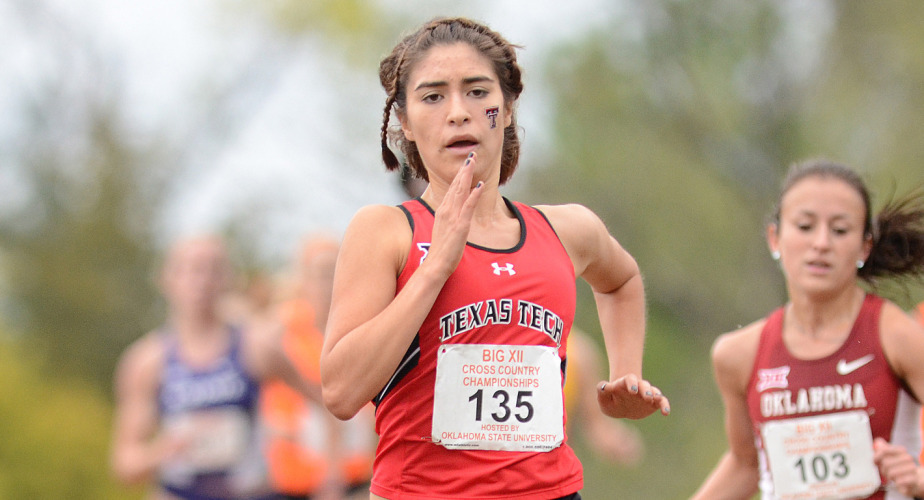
733 353
383 228
895 321
902 338
141 363
581 231
571 217
380 217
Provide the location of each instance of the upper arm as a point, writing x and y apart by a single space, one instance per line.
372 254
596 255
903 344
733 356
136 384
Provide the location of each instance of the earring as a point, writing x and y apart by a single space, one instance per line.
775 255
860 264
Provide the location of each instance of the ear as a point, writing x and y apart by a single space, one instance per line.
508 114
867 246
773 237
405 127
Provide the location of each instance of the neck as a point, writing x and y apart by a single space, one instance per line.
825 317
490 207
196 327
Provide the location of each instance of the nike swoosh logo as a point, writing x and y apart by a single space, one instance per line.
843 367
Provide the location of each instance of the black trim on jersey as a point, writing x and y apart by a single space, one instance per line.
408 363
547 221
407 213
513 209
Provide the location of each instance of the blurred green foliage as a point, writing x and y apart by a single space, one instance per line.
54 432
77 260
676 124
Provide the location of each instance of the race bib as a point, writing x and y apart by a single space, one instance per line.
217 438
825 456
498 397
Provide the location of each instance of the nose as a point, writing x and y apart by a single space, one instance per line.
822 239
458 112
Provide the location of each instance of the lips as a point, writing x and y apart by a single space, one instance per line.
818 265
462 142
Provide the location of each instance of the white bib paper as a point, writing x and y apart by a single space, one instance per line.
498 397
825 456
218 437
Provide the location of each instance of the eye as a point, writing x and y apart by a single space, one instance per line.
840 231
478 93
804 227
431 98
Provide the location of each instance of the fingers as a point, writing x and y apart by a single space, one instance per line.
472 195
453 219
653 396
461 186
627 383
461 198
896 465
631 397
665 406
462 182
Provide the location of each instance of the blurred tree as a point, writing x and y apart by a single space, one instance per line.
77 259
655 134
77 238
675 121
81 230
354 29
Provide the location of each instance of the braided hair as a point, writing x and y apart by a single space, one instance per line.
897 231
395 68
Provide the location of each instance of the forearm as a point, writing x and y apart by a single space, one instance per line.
357 365
732 479
286 371
622 319
136 463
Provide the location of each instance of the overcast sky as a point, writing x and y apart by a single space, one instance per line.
302 145
299 146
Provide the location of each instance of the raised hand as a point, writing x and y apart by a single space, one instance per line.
453 218
631 397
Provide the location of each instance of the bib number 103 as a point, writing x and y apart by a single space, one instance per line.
827 456
820 468
522 408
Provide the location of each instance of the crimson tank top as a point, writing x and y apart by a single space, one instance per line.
855 377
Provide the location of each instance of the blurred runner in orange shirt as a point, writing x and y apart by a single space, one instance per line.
311 454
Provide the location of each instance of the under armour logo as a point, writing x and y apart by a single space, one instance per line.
498 269
425 248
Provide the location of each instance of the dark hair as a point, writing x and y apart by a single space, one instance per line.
395 68
897 231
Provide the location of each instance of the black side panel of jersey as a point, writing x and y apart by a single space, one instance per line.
408 363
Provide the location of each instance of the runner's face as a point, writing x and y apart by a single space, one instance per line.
195 275
450 93
820 234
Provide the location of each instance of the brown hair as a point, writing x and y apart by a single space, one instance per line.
395 68
897 231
